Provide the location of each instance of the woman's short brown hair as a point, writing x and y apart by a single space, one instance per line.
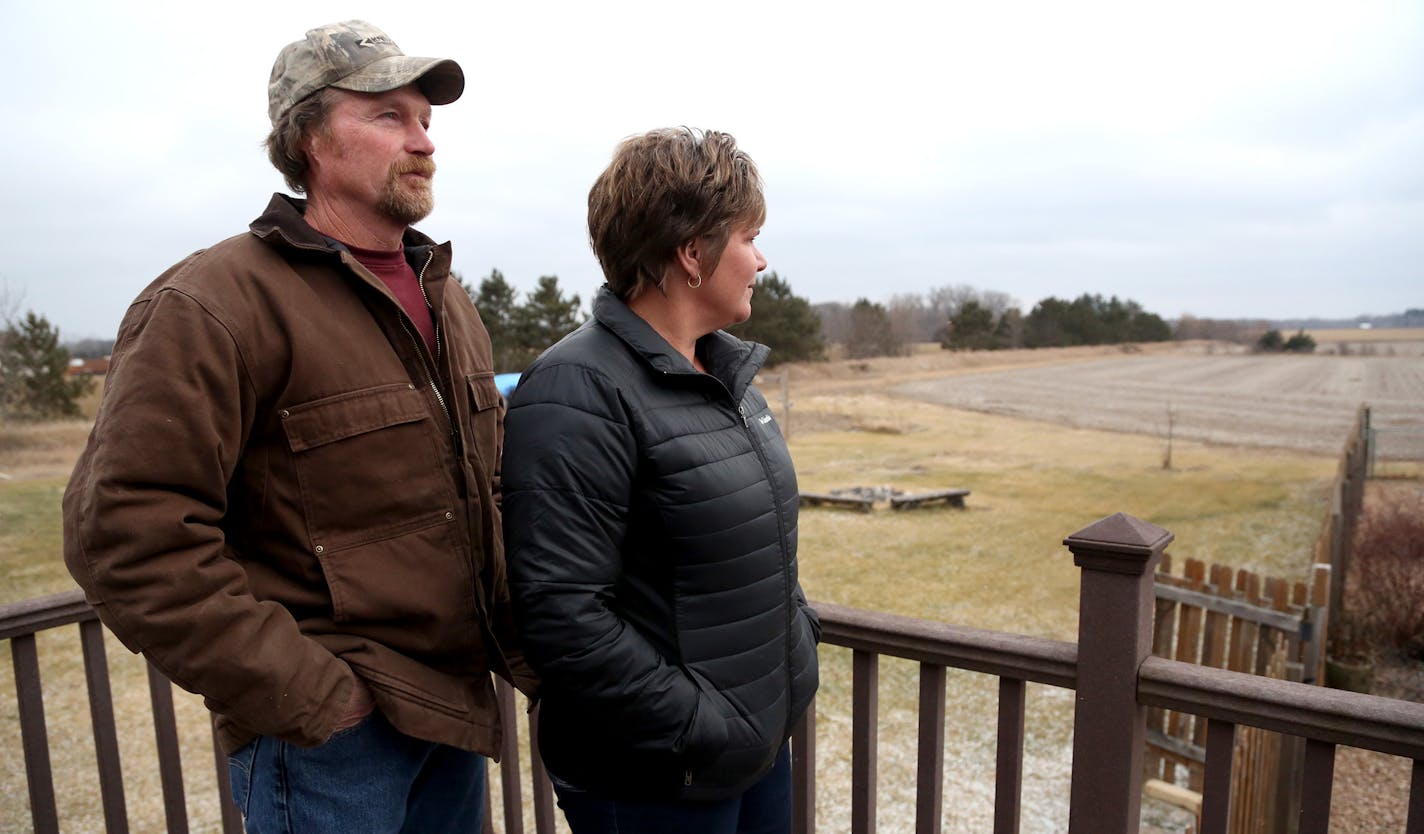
285 142
664 188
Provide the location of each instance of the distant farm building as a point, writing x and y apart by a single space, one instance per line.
88 367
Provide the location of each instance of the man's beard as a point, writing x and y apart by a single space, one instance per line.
404 201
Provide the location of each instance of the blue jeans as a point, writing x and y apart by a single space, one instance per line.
368 778
764 809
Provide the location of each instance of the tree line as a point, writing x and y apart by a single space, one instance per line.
961 317
33 364
520 331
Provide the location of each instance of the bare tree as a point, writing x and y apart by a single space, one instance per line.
10 303
908 320
835 321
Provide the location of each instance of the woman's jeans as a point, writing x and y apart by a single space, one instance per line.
368 778
764 809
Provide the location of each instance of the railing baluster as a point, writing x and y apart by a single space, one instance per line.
929 780
865 700
34 738
543 788
1216 781
106 736
509 756
803 773
227 809
487 824
1008 780
1319 779
1416 800
170 764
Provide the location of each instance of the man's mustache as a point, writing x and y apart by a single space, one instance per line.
423 165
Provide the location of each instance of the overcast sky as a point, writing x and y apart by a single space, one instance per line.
1220 159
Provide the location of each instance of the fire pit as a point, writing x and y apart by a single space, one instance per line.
868 498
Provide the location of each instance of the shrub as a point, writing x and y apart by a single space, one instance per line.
1387 577
1270 342
1301 342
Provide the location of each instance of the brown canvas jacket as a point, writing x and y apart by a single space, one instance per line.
275 495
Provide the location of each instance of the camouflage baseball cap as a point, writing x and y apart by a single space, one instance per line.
355 55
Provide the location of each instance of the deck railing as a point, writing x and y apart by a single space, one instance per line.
1110 667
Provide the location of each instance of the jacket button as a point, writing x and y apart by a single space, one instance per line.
449 516
320 549
285 413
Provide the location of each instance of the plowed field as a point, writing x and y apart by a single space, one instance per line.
1305 403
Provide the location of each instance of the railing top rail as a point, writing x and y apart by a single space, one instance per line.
1336 716
34 615
1015 656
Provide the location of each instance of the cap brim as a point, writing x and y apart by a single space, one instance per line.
440 79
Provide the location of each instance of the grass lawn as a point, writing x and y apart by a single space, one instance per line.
30 538
1000 564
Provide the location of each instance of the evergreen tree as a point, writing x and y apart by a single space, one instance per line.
1149 327
1301 342
33 372
496 300
1008 333
870 332
545 317
1271 341
970 328
1046 323
783 322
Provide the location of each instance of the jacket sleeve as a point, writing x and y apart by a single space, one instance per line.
570 461
812 618
143 535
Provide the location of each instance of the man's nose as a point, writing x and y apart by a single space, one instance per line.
418 141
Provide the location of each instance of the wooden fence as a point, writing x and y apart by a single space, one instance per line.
1334 545
1242 622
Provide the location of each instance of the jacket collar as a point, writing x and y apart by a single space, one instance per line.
732 361
284 225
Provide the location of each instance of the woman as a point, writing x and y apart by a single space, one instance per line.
650 516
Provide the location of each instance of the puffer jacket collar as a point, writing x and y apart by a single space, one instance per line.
732 361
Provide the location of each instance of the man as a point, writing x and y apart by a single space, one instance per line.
289 501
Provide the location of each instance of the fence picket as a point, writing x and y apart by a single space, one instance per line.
1189 626
1156 764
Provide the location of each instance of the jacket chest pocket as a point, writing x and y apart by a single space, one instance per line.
484 436
368 466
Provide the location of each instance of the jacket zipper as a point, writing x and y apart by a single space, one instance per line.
781 537
425 366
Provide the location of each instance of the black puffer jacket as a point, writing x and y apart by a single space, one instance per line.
650 530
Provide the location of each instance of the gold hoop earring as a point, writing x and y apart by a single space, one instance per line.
693 286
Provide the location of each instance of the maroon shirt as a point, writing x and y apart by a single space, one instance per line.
397 274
